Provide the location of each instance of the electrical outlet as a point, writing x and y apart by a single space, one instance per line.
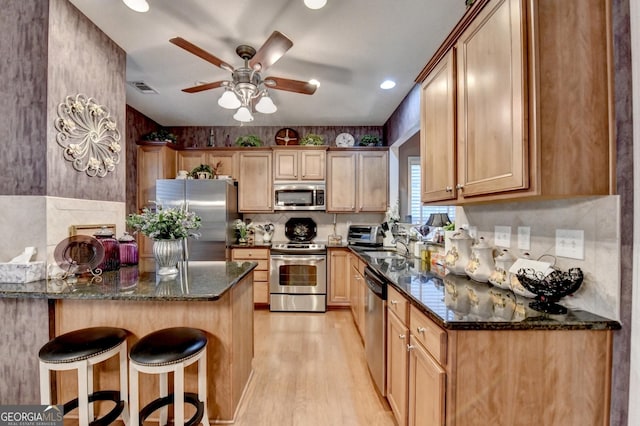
570 243
524 237
502 236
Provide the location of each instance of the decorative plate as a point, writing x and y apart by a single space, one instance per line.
79 254
345 140
300 229
287 136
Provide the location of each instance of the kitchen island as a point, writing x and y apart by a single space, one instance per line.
461 352
216 297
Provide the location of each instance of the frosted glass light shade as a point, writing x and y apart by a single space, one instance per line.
229 100
315 4
265 105
137 5
243 114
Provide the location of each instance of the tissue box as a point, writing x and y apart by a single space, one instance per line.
22 272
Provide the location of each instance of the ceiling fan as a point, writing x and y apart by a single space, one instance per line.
247 89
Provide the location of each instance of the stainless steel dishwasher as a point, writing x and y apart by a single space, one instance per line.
375 319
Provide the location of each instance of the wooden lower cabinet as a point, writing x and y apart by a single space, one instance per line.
397 365
357 290
339 280
426 388
260 274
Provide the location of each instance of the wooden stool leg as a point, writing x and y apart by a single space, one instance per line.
84 371
164 391
178 391
202 386
134 408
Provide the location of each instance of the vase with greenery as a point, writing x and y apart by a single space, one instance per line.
167 228
203 171
248 140
370 140
312 139
162 135
242 229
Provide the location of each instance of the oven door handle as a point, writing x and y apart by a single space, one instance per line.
299 258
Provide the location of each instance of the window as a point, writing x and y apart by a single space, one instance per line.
419 213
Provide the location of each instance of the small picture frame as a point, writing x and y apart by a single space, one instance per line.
90 229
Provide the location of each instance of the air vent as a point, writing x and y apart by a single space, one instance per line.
143 87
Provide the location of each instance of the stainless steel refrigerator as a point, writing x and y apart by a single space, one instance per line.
215 201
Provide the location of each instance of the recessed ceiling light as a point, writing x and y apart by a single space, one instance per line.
315 4
137 5
388 84
314 82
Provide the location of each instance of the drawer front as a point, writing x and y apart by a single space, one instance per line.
260 292
398 304
430 335
260 275
250 253
263 264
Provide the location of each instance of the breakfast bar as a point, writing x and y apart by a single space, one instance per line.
215 296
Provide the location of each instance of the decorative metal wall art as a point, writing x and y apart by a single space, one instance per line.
88 135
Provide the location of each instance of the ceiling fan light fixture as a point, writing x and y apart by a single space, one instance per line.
314 82
229 100
243 114
137 5
265 105
315 4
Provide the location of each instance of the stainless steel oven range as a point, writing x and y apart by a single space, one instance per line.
298 280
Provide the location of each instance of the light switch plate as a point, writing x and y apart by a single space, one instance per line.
524 237
502 236
570 243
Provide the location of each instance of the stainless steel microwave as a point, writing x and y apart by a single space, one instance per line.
299 196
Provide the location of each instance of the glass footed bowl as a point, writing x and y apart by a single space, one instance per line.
551 288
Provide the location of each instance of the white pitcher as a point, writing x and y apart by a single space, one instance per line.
458 256
501 277
481 264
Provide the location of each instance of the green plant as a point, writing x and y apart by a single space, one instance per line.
248 140
161 135
165 224
370 140
202 168
451 226
242 228
312 139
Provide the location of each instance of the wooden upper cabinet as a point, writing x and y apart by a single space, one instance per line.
533 104
492 145
255 181
299 164
357 181
437 132
188 159
154 162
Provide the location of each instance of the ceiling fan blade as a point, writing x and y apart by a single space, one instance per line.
297 86
192 48
276 45
202 87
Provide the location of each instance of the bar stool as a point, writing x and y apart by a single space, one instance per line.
80 350
166 351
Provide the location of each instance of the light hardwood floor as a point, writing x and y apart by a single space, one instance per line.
310 370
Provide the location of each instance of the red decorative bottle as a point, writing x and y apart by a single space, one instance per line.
128 250
111 261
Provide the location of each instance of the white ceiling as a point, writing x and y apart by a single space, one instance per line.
350 46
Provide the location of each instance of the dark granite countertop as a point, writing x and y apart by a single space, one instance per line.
459 303
197 281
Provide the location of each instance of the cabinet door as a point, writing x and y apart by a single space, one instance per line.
188 160
426 388
491 139
397 367
339 278
373 181
227 160
255 182
312 165
437 132
341 181
285 165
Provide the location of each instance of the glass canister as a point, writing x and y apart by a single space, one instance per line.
128 250
111 261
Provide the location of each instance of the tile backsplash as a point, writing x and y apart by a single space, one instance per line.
598 217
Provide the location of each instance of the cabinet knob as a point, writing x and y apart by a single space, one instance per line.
394 302
401 336
449 189
459 186
420 329
410 348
